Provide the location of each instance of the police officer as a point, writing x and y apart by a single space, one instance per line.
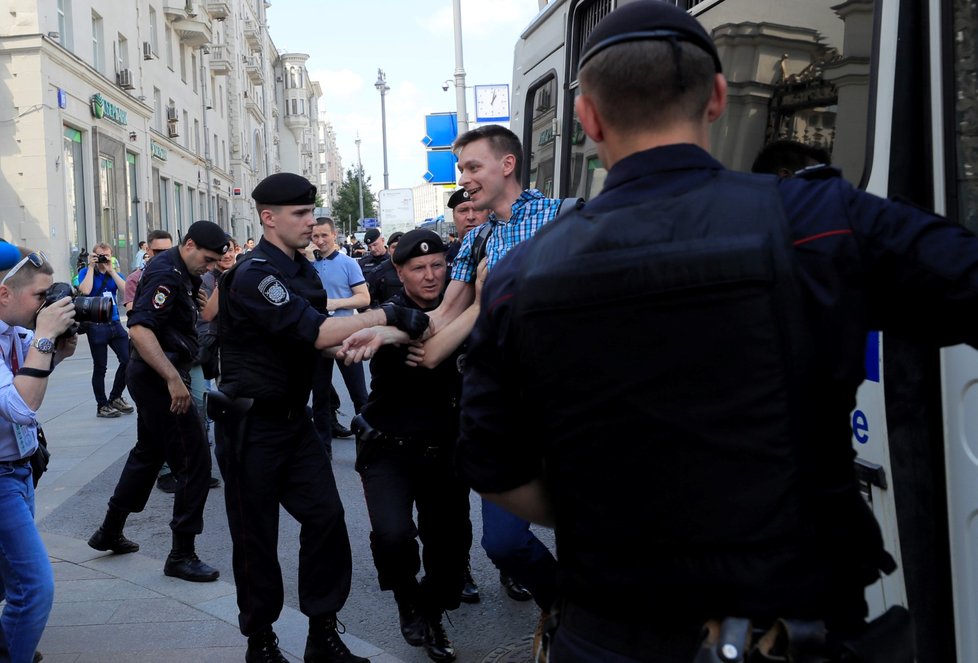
378 270
163 331
466 218
725 436
272 323
404 460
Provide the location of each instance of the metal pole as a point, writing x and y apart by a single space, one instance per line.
207 140
381 86
360 177
463 117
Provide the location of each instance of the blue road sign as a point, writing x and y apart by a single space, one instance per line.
441 167
369 223
441 130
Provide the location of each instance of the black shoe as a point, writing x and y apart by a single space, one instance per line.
117 543
516 591
470 590
436 642
168 483
38 657
339 430
187 566
412 624
325 646
263 648
214 483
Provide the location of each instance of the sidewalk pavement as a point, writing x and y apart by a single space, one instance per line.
121 608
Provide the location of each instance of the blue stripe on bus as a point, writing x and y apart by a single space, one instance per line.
873 356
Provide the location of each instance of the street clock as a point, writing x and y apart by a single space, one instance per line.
492 103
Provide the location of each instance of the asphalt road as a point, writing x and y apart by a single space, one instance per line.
496 629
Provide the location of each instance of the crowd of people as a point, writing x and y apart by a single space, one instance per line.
725 440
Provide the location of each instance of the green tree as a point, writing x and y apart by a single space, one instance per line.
347 206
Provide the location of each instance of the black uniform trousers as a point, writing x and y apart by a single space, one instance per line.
397 475
178 439
282 461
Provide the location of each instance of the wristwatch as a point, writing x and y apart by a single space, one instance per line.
44 345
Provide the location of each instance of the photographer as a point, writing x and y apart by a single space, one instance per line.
26 577
100 279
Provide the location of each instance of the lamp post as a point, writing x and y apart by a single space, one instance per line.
360 177
381 86
460 112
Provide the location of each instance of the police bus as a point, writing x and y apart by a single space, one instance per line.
888 88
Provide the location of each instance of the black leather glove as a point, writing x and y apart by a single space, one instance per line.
411 321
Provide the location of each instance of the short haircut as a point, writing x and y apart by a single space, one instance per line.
26 273
326 221
788 155
501 140
158 234
643 85
100 245
261 207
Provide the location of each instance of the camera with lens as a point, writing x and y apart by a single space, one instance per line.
87 309
101 258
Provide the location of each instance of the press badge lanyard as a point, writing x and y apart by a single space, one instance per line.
26 441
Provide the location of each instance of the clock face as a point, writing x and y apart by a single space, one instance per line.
491 103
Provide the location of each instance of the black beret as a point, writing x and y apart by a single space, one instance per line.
394 238
647 20
418 242
371 236
285 189
458 198
208 235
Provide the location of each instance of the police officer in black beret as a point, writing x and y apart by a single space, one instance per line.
726 441
404 461
163 333
272 323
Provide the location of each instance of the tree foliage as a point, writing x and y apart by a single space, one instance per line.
346 208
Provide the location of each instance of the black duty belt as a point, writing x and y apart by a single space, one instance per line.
278 410
670 641
20 462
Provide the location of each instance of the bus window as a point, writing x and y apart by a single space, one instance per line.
796 70
966 114
543 135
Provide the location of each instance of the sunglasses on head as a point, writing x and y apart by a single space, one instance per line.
37 259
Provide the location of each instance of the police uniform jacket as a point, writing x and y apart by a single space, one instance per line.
630 468
271 309
381 278
166 302
413 402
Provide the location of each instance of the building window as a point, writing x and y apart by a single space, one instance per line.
153 39
98 44
64 23
122 54
193 70
178 208
164 204
197 137
158 110
168 36
186 129
183 63
75 191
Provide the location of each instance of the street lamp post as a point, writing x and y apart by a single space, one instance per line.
460 112
360 177
381 86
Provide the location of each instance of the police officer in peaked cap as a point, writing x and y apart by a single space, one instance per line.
273 322
751 298
163 332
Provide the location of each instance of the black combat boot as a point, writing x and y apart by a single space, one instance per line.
109 535
412 623
183 563
470 590
324 644
263 648
436 643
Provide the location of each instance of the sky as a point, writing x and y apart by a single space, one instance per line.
413 42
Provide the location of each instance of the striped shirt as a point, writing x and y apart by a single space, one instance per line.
530 212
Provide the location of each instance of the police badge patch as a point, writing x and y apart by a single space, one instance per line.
273 290
160 296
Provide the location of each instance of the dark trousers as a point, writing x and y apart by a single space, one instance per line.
323 403
395 480
282 462
101 337
178 439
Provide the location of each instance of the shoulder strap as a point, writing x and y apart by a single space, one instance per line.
567 205
479 243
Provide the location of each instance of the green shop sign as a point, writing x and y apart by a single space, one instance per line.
157 150
106 109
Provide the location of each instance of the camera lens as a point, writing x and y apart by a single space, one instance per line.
93 309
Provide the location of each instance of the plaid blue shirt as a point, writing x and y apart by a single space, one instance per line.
531 211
